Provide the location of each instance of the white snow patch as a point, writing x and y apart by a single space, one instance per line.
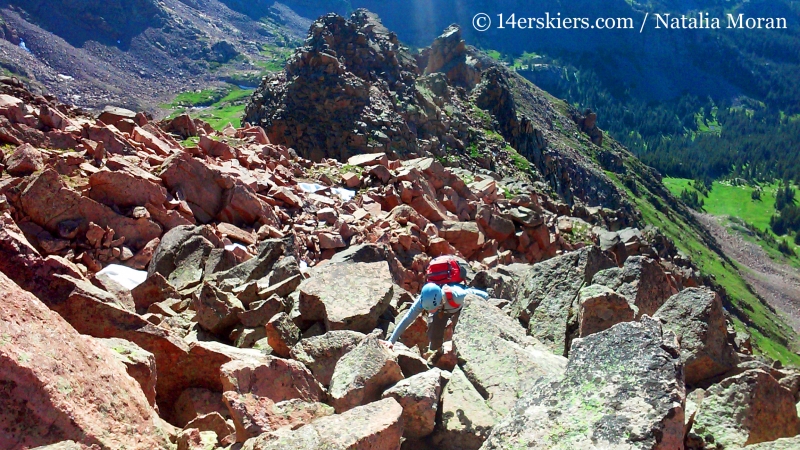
127 277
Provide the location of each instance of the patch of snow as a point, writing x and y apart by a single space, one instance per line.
345 194
127 277
232 247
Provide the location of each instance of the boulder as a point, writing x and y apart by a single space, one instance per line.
493 224
195 182
419 397
273 378
464 236
212 422
194 439
622 389
641 280
347 296
410 360
778 444
374 426
181 256
58 385
256 268
746 409
321 353
466 419
547 294
282 334
362 375
260 312
125 190
155 289
180 364
140 364
696 316
253 415
217 311
496 355
23 161
600 308
49 202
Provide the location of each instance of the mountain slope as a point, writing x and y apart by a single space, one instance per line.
459 103
137 54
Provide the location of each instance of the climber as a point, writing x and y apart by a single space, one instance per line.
443 303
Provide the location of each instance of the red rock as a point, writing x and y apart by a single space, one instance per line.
194 403
494 225
419 396
53 118
25 160
60 386
194 439
253 415
282 334
330 240
273 378
212 421
429 208
286 195
218 149
235 233
439 247
112 114
124 190
183 125
380 173
371 427
21 262
351 180
155 289
347 295
151 142
217 311
140 364
114 142
48 202
464 236
321 353
363 374
241 206
196 183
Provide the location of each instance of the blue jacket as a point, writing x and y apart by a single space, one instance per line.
459 293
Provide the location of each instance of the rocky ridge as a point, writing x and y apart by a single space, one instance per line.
237 292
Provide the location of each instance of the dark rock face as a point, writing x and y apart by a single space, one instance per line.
623 388
337 90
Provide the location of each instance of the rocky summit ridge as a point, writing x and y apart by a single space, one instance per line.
166 285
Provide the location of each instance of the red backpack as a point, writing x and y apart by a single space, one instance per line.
446 269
